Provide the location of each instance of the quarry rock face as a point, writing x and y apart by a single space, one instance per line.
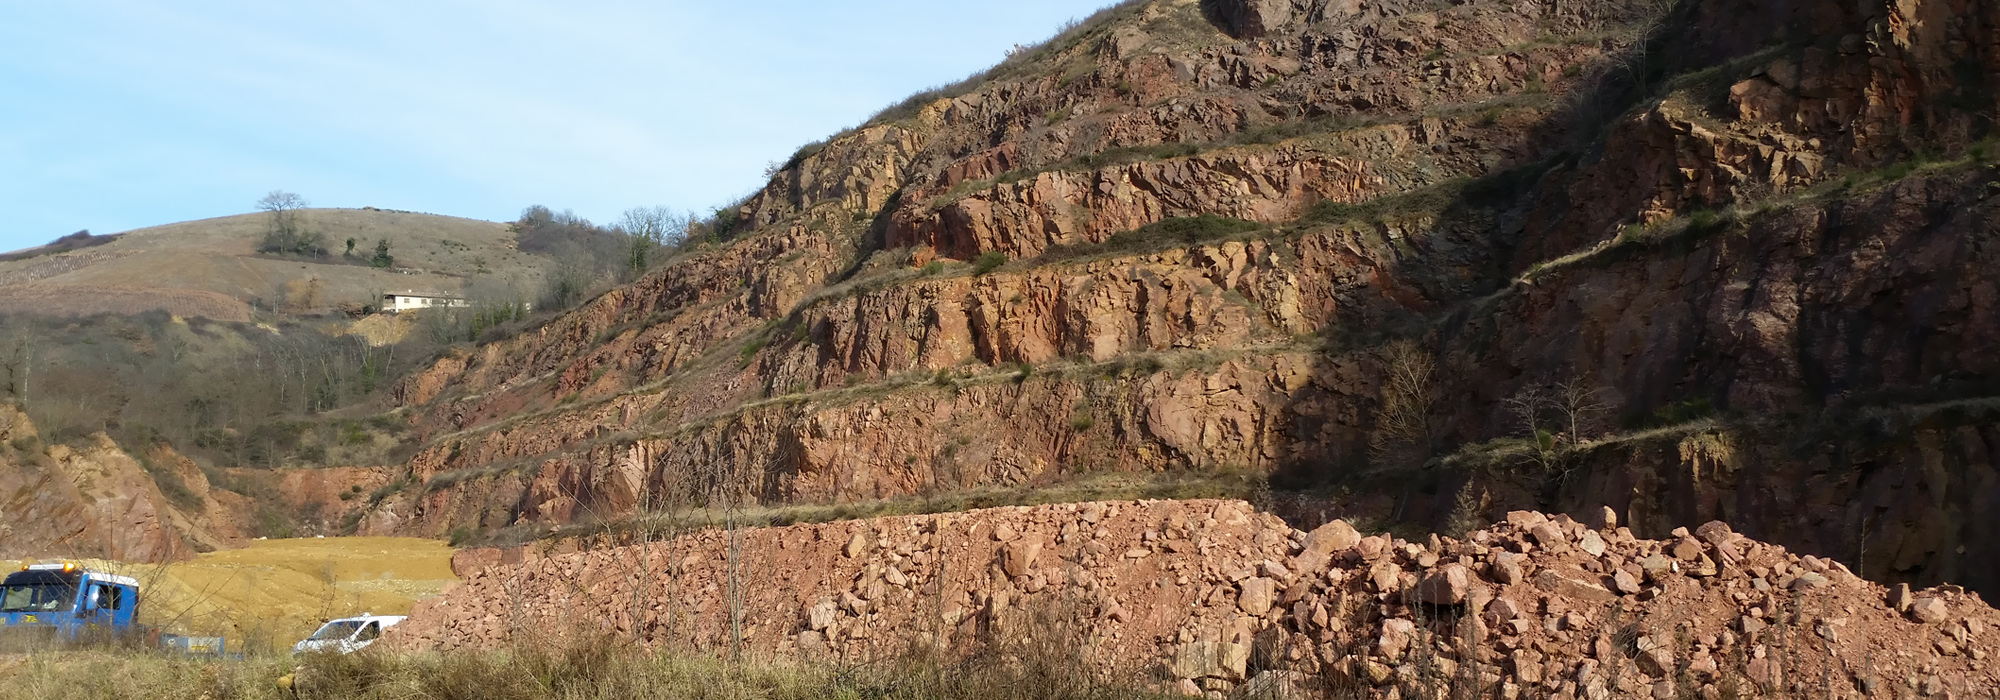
1485 182
1192 595
1251 19
92 498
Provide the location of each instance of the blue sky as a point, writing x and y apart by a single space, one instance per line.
121 115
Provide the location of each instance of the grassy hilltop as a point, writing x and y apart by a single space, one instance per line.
213 268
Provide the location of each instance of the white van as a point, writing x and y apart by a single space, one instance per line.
348 634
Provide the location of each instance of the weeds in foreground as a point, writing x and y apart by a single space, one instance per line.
1039 667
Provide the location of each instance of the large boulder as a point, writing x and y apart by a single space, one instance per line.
1448 585
1018 557
1257 595
1322 544
1250 19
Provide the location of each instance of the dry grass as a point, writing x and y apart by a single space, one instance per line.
218 257
1047 661
85 300
1039 653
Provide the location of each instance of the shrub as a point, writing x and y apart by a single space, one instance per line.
988 261
1120 156
1683 412
749 352
75 241
1082 420
389 489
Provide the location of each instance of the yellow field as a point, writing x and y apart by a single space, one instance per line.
274 592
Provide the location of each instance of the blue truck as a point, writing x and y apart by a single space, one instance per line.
60 602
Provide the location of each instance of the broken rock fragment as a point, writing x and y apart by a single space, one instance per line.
1448 585
1257 595
1929 610
1506 568
1395 638
1591 543
1556 625
1325 541
820 615
1018 557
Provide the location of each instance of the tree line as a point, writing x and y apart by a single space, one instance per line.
589 258
235 394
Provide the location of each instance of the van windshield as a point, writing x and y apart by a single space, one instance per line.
337 629
37 597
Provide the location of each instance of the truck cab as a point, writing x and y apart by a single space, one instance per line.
65 599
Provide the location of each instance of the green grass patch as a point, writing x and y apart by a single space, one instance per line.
987 262
1159 235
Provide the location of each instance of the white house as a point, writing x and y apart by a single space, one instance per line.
410 300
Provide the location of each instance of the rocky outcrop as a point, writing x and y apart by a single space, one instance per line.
94 498
1025 219
206 517
886 444
1252 19
1215 596
1669 209
802 232
86 500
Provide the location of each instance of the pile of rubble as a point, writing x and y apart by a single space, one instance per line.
1214 598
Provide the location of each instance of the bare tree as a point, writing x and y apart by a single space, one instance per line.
1637 57
1529 407
1557 418
648 229
1578 404
17 363
287 233
301 296
1402 429
284 207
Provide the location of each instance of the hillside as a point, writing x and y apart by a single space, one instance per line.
211 268
1724 259
1219 348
